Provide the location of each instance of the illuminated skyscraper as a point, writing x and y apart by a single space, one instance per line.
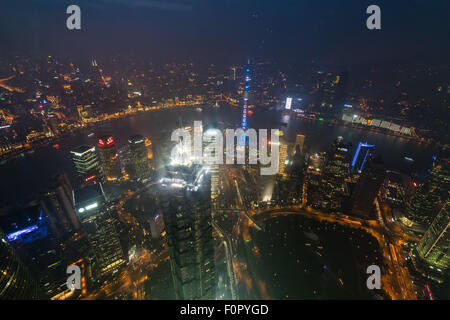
97 75
289 186
300 142
434 247
91 206
16 282
332 188
282 156
245 97
86 163
138 154
187 216
233 73
148 146
110 159
431 193
211 136
5 143
362 155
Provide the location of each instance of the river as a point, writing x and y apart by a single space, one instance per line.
25 176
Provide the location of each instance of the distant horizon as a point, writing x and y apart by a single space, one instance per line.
326 30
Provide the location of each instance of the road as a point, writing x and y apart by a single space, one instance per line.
228 244
10 88
397 280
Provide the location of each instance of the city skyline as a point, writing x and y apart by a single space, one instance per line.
196 150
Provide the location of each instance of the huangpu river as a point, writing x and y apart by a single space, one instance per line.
24 176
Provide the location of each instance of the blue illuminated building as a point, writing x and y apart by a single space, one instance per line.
246 89
18 234
362 154
30 226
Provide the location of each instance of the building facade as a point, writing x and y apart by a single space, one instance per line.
187 216
109 157
367 188
138 157
434 247
332 188
91 206
86 164
431 193
16 282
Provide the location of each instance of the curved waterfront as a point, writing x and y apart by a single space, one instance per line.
33 172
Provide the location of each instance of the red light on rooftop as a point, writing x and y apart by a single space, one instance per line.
415 184
110 141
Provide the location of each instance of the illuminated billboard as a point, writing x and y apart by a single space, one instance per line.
288 103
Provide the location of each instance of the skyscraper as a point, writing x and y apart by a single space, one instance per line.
16 281
54 209
434 247
90 203
233 73
211 137
282 156
300 142
110 159
431 193
97 75
288 187
367 188
362 155
138 155
245 97
297 174
86 163
187 216
332 188
64 193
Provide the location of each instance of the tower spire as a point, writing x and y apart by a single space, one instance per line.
246 89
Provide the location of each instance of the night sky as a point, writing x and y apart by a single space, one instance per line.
329 31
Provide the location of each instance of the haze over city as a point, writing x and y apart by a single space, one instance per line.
108 133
